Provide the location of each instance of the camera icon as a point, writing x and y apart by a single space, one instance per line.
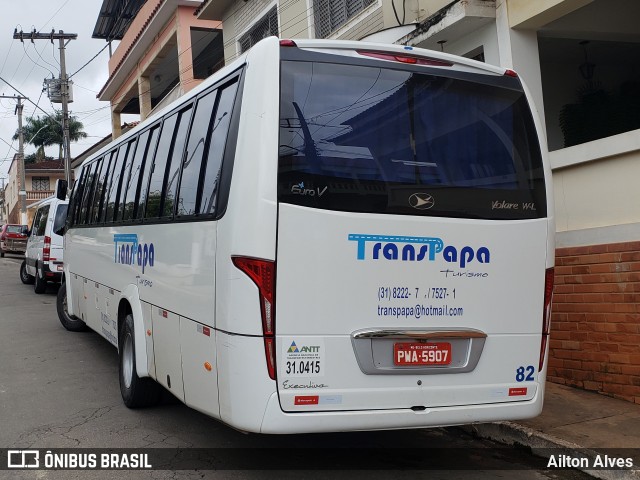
23 459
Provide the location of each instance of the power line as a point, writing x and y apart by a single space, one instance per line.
28 99
6 58
34 62
91 60
63 83
41 57
54 15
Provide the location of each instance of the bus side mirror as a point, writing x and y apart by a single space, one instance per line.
61 189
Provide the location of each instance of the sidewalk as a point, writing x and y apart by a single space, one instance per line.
579 422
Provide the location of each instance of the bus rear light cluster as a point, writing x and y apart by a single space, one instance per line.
402 58
263 274
546 315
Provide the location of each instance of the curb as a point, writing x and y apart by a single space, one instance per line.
543 445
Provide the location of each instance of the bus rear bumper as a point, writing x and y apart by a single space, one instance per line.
276 421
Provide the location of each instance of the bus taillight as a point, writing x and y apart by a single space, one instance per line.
546 315
263 274
46 250
403 58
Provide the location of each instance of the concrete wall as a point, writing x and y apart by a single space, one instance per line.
596 183
485 37
598 194
534 14
415 10
295 19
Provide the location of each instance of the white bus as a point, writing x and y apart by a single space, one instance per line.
324 236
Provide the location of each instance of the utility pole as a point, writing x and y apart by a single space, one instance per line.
64 87
2 201
22 188
63 39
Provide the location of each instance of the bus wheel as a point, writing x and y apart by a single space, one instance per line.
40 285
136 392
24 276
70 322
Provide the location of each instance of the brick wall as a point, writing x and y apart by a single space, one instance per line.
595 322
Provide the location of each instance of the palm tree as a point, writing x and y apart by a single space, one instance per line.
47 130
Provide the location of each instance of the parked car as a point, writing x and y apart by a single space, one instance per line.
43 257
13 239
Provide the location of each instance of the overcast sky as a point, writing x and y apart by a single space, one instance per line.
26 65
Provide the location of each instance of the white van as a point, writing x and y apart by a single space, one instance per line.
43 257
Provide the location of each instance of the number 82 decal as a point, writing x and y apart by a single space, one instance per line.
525 374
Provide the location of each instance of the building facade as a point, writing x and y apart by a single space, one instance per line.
164 52
581 61
40 182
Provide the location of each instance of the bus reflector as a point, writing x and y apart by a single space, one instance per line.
46 250
270 355
306 400
510 73
262 273
288 43
517 392
546 314
402 58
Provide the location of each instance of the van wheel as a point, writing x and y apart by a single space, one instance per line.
136 392
24 276
40 284
70 322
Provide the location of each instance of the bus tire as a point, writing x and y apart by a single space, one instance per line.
136 392
40 285
24 276
70 322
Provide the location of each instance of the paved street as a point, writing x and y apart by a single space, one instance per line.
60 389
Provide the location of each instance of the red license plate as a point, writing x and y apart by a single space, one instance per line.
422 353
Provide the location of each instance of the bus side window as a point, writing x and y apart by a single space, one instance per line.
76 200
124 182
107 186
88 192
154 197
112 199
101 166
216 145
175 162
98 198
194 154
137 165
145 174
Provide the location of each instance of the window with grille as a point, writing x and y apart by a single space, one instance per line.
329 15
40 184
264 28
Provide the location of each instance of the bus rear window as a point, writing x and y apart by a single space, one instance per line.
381 140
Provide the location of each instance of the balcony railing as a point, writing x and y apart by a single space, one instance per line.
33 195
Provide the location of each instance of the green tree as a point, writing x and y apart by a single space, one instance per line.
47 130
